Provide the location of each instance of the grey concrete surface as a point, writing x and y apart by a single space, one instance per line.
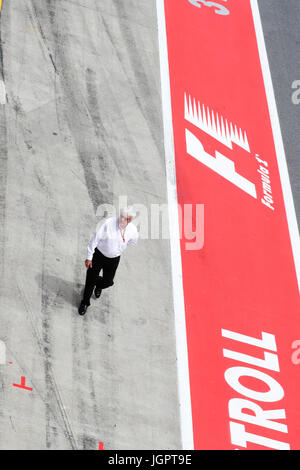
281 20
81 126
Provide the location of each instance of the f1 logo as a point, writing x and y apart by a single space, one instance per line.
223 132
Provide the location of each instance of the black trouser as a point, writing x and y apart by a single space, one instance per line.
109 266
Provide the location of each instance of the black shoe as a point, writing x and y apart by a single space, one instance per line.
82 308
98 291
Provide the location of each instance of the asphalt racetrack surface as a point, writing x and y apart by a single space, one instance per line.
81 124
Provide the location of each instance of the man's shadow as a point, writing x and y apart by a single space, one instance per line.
60 290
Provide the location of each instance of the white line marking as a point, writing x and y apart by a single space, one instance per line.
281 158
178 299
2 93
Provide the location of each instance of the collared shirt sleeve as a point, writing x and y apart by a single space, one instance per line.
100 234
133 240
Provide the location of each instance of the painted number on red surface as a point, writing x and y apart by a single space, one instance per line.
219 9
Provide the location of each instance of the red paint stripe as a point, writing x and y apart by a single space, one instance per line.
244 279
23 384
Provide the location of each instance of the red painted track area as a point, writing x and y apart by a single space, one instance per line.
244 279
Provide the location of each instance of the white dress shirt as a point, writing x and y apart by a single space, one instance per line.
108 239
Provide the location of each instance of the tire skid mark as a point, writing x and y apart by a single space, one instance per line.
53 396
38 390
82 355
3 95
33 17
142 83
140 173
3 186
74 102
78 116
3 164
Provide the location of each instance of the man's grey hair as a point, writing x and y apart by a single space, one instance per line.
128 211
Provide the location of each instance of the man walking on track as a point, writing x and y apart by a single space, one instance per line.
104 252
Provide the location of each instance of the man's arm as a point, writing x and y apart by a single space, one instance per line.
100 234
134 239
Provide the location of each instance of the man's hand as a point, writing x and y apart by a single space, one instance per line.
88 263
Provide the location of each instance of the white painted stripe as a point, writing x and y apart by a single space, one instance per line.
281 158
178 299
2 93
